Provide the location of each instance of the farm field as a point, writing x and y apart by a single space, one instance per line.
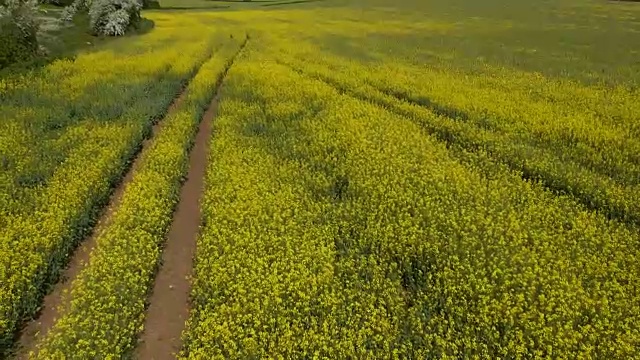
329 179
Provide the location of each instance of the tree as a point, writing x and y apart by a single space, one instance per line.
114 17
19 27
107 17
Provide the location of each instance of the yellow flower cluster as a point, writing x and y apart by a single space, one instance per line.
65 140
111 290
574 139
335 228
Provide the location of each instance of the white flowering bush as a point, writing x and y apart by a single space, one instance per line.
107 17
113 17
76 6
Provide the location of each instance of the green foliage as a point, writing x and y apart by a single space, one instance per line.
152 4
60 3
14 45
18 32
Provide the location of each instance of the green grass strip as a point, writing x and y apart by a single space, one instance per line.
107 304
291 2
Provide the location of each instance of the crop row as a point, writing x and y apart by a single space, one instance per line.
603 177
111 290
35 244
334 228
50 114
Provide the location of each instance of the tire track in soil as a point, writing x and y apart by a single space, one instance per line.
169 304
168 311
37 328
450 138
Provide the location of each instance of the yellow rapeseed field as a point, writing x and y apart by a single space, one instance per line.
385 180
68 132
335 228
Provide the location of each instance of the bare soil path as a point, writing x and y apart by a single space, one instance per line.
38 328
169 305
169 302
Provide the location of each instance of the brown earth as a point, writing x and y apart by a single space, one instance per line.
36 329
169 302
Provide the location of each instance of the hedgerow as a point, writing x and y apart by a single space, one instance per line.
107 17
19 26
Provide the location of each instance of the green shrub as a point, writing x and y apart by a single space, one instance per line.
57 2
151 4
18 31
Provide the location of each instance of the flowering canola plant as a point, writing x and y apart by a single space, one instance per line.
335 228
588 153
365 198
111 290
67 134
